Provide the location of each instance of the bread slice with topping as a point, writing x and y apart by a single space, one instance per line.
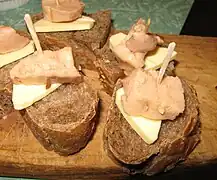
177 139
65 120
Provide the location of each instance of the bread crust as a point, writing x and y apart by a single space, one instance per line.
6 105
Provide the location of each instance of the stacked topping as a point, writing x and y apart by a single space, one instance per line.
133 47
138 48
62 10
63 15
41 73
13 46
11 41
144 102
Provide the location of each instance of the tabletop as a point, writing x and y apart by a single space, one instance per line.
23 156
167 16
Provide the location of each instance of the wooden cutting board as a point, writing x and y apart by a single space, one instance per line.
21 155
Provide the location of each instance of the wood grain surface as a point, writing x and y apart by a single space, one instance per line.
198 64
22 156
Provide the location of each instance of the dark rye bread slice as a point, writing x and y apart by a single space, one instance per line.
177 139
108 68
108 65
94 38
65 120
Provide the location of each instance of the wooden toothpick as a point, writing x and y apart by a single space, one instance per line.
57 2
166 61
148 25
32 31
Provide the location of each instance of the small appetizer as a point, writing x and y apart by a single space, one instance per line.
153 122
133 49
58 106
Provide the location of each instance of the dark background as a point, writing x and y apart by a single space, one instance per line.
202 19
203 172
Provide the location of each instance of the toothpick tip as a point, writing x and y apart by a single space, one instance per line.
173 44
166 61
26 16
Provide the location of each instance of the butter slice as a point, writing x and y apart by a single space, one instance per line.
16 55
24 96
155 60
82 23
152 60
116 39
147 129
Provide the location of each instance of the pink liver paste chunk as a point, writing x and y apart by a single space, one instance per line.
137 44
53 66
11 41
62 10
145 97
140 40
